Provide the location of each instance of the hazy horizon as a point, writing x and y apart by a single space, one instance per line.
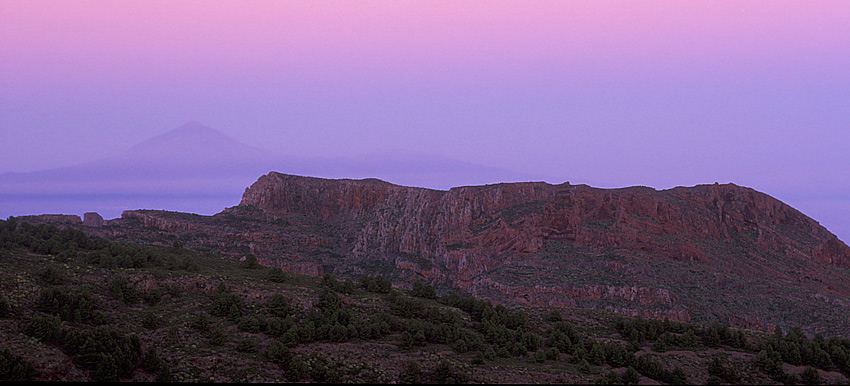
612 94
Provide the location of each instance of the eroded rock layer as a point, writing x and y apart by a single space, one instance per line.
704 252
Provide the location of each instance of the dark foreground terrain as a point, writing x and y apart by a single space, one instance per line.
79 308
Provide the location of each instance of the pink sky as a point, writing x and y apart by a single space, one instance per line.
614 93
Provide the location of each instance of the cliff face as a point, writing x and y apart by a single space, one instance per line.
468 226
690 253
504 240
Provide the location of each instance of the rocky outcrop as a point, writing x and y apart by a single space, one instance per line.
467 233
156 220
470 229
708 251
68 219
92 219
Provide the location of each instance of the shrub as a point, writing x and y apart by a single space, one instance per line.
226 304
124 291
5 307
553 316
252 324
247 345
490 354
150 320
810 376
218 337
151 361
45 328
107 352
552 353
276 327
13 367
323 373
153 296
51 276
279 306
279 353
411 373
423 290
328 300
445 372
276 275
200 322
296 369
75 308
250 262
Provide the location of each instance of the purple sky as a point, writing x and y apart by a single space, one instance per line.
655 93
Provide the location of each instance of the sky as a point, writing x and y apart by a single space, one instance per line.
609 93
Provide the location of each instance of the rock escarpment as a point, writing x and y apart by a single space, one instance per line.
520 240
468 226
699 253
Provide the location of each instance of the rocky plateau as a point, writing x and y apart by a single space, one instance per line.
698 253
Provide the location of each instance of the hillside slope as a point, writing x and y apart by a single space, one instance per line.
703 253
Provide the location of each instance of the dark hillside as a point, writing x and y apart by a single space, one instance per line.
80 308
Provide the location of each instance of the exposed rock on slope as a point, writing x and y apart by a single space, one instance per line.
502 240
703 252
472 224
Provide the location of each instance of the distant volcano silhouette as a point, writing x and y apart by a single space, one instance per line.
195 168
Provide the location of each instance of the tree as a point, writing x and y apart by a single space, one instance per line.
279 353
13 367
151 361
423 290
276 275
296 369
250 262
328 300
810 376
279 306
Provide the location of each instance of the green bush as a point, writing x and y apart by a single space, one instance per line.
328 300
553 316
218 336
446 372
279 353
247 345
810 376
70 307
226 304
250 262
411 373
252 324
279 306
297 369
109 353
200 322
124 291
151 361
45 328
13 367
276 275
276 327
423 290
5 307
150 320
51 276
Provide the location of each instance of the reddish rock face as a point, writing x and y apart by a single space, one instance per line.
469 226
690 253
469 233
92 219
59 219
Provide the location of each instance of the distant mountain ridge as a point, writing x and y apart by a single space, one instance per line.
195 168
